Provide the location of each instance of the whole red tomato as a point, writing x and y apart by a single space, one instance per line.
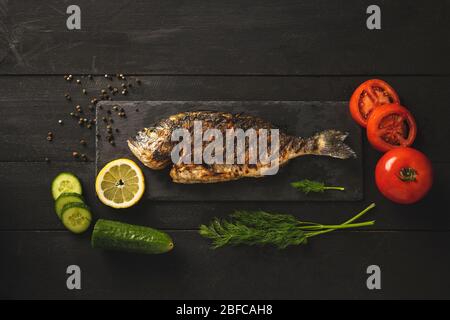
404 175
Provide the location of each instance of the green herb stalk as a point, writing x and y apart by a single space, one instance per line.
264 228
308 186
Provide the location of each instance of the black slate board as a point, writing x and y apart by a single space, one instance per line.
296 117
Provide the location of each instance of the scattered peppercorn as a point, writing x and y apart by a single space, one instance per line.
115 108
83 157
78 81
117 129
89 126
90 77
138 81
124 92
83 142
68 97
49 138
84 91
47 160
60 122
75 154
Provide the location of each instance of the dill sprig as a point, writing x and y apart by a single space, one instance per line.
308 186
264 228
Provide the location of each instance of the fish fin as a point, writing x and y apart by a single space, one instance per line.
331 143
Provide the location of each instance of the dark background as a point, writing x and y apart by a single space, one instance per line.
218 50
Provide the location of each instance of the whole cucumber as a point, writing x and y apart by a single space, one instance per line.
114 235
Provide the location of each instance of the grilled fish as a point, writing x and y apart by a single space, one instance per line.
153 146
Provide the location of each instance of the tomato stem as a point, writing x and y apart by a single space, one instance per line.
408 174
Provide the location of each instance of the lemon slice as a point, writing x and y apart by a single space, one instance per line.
120 184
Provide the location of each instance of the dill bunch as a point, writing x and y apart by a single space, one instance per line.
264 228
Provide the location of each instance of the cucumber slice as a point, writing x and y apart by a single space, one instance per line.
65 182
113 235
66 198
76 217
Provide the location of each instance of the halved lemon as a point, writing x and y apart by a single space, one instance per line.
120 184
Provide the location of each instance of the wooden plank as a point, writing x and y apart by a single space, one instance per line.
331 267
231 37
297 118
28 205
32 106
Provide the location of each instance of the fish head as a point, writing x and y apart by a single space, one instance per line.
152 147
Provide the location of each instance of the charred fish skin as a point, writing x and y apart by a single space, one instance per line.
153 146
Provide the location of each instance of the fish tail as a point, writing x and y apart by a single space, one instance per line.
329 143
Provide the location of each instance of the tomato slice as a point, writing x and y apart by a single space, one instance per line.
390 127
368 96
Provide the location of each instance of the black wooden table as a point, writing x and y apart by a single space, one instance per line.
218 50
